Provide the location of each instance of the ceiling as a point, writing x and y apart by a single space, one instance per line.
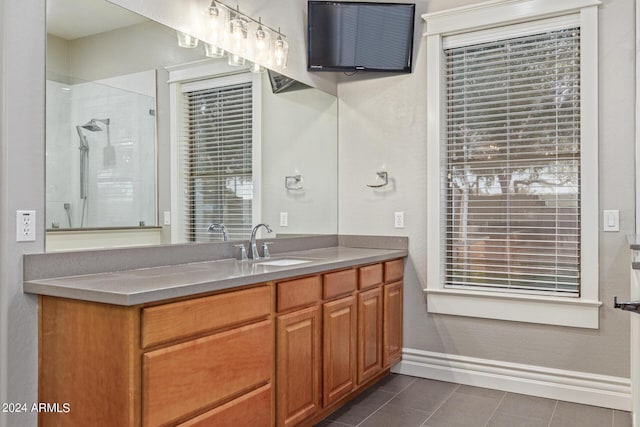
72 19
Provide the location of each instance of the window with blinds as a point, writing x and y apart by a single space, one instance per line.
217 156
512 164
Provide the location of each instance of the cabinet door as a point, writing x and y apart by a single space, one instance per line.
298 366
369 334
392 324
339 354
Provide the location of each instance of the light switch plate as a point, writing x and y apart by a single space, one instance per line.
284 219
611 220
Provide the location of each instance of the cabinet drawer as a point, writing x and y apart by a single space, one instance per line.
393 270
299 292
338 283
370 275
188 377
250 410
182 319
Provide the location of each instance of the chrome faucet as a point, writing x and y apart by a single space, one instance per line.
217 226
254 247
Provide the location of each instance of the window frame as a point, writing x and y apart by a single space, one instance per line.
188 74
580 312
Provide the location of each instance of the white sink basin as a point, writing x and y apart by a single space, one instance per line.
284 262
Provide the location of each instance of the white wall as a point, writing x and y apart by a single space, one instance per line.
382 121
300 137
22 77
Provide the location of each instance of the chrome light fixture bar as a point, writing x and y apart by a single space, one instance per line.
227 30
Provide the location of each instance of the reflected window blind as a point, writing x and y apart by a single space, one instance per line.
512 164
217 153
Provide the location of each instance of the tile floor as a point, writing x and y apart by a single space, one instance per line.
403 401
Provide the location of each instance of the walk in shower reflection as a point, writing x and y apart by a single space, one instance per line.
100 148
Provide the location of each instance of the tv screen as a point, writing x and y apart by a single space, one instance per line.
348 36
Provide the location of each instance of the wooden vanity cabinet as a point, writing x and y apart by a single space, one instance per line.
286 353
179 362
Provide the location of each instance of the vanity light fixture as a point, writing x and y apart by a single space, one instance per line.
242 37
249 38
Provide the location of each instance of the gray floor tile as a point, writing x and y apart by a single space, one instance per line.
468 407
479 391
621 419
354 412
576 415
396 416
527 406
374 397
327 423
394 383
351 414
502 419
424 395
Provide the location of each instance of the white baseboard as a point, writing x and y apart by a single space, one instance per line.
570 386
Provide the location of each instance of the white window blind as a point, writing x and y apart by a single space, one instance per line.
217 154
512 164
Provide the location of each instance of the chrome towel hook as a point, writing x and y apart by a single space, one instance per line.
382 175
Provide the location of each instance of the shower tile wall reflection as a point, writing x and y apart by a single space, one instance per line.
116 118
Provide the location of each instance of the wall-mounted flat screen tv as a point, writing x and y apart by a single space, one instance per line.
352 36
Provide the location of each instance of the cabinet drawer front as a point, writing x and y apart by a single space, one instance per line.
393 270
299 292
182 319
338 283
249 410
188 377
370 275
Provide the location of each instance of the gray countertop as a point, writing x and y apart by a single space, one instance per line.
145 285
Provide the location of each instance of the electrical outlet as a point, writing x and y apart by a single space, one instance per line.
25 226
167 218
398 219
284 219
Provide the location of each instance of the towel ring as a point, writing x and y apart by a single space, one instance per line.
384 176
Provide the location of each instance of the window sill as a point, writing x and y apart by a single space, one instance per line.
573 312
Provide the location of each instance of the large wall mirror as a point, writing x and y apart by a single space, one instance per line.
118 172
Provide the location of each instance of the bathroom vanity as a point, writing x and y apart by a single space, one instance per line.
224 343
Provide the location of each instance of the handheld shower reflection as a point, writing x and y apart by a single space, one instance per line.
108 156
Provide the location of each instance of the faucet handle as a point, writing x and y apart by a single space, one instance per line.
243 251
265 249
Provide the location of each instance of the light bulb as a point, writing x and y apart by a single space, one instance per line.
213 51
281 51
216 18
186 40
238 35
236 60
257 68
